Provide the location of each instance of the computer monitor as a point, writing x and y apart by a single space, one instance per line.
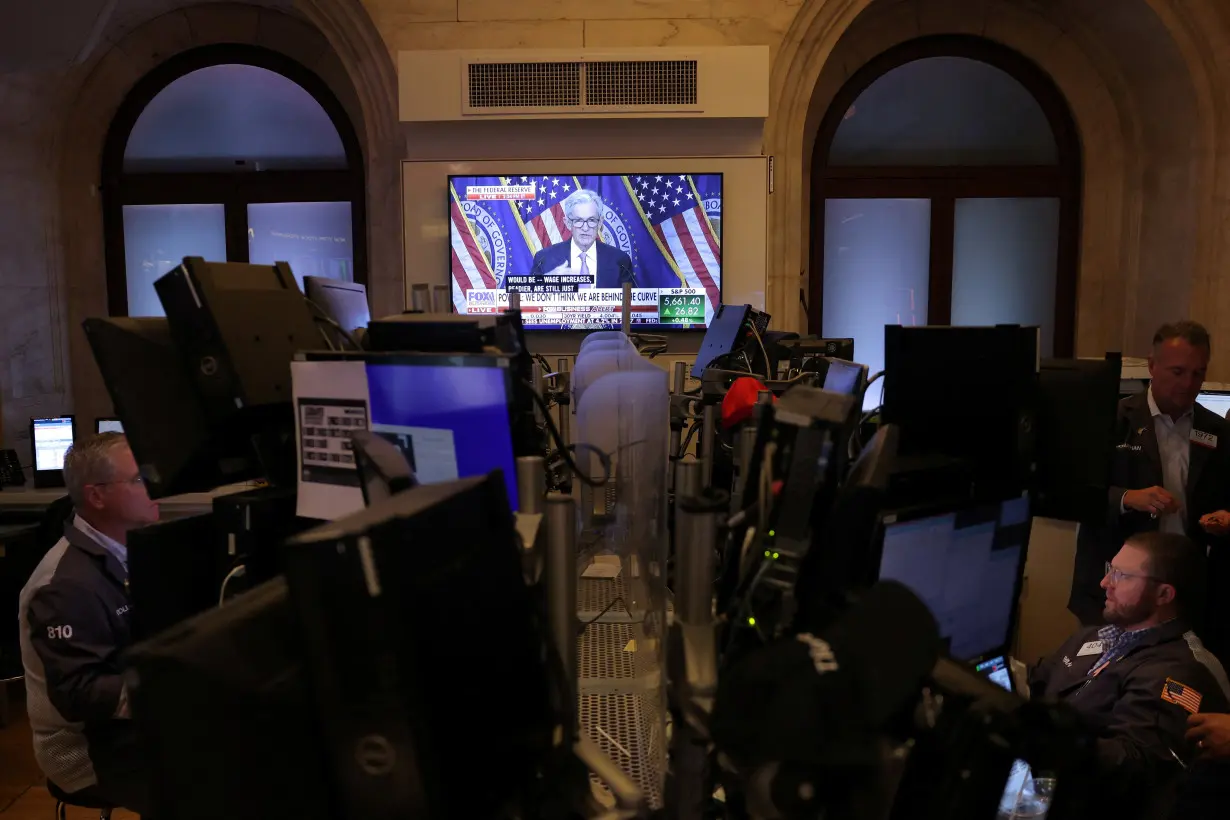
450 415
723 336
108 425
237 327
176 447
1217 401
175 571
343 302
847 378
1077 411
938 384
50 439
965 561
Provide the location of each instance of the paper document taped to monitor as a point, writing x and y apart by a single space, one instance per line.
331 404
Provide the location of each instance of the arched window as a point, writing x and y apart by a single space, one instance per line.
946 190
233 153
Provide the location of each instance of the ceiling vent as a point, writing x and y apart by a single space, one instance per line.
521 83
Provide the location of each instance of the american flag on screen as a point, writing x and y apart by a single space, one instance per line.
542 220
672 209
471 267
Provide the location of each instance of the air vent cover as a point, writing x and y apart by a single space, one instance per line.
502 86
600 85
640 83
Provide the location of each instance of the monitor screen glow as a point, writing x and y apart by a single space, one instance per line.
52 438
450 422
964 565
1218 403
567 244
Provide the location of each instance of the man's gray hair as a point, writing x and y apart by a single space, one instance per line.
1191 332
89 462
580 197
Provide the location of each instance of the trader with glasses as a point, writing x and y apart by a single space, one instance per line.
583 260
75 621
1138 679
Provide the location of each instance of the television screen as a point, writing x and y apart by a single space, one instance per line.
567 244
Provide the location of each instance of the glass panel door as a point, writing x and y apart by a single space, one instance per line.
876 272
158 237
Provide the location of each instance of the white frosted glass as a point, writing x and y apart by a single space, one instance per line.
158 237
316 238
1005 255
877 259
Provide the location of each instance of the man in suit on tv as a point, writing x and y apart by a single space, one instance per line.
605 265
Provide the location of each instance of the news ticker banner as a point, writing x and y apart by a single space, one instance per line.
564 303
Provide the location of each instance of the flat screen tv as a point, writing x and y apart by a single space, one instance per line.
567 244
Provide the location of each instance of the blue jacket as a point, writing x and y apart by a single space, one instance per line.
614 266
75 618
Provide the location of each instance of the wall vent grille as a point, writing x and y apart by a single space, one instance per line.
503 86
600 85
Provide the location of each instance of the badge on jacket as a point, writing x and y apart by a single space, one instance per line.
1091 648
1181 695
1203 439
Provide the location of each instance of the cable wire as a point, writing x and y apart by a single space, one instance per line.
565 450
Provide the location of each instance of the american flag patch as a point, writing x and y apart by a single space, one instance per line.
1185 696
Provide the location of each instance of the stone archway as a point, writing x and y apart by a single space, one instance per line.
1107 105
365 94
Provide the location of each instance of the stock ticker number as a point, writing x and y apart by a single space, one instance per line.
682 307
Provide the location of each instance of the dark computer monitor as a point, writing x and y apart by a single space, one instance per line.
175 571
1076 421
965 561
50 439
388 613
965 395
175 445
847 378
343 302
1216 401
108 425
724 334
222 705
237 327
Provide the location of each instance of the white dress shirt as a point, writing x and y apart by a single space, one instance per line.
1174 447
591 257
110 544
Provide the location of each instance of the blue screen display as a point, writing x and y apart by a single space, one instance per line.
451 421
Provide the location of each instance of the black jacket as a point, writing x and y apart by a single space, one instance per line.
75 616
614 266
1140 732
1136 464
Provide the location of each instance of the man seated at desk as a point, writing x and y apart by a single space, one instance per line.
74 617
1138 679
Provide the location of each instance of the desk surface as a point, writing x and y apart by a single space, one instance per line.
24 498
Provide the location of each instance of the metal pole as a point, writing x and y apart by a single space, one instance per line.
565 410
539 383
626 318
420 298
531 483
747 446
708 442
694 595
560 574
679 374
440 302
514 300
687 479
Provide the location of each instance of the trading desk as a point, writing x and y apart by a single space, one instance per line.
28 504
